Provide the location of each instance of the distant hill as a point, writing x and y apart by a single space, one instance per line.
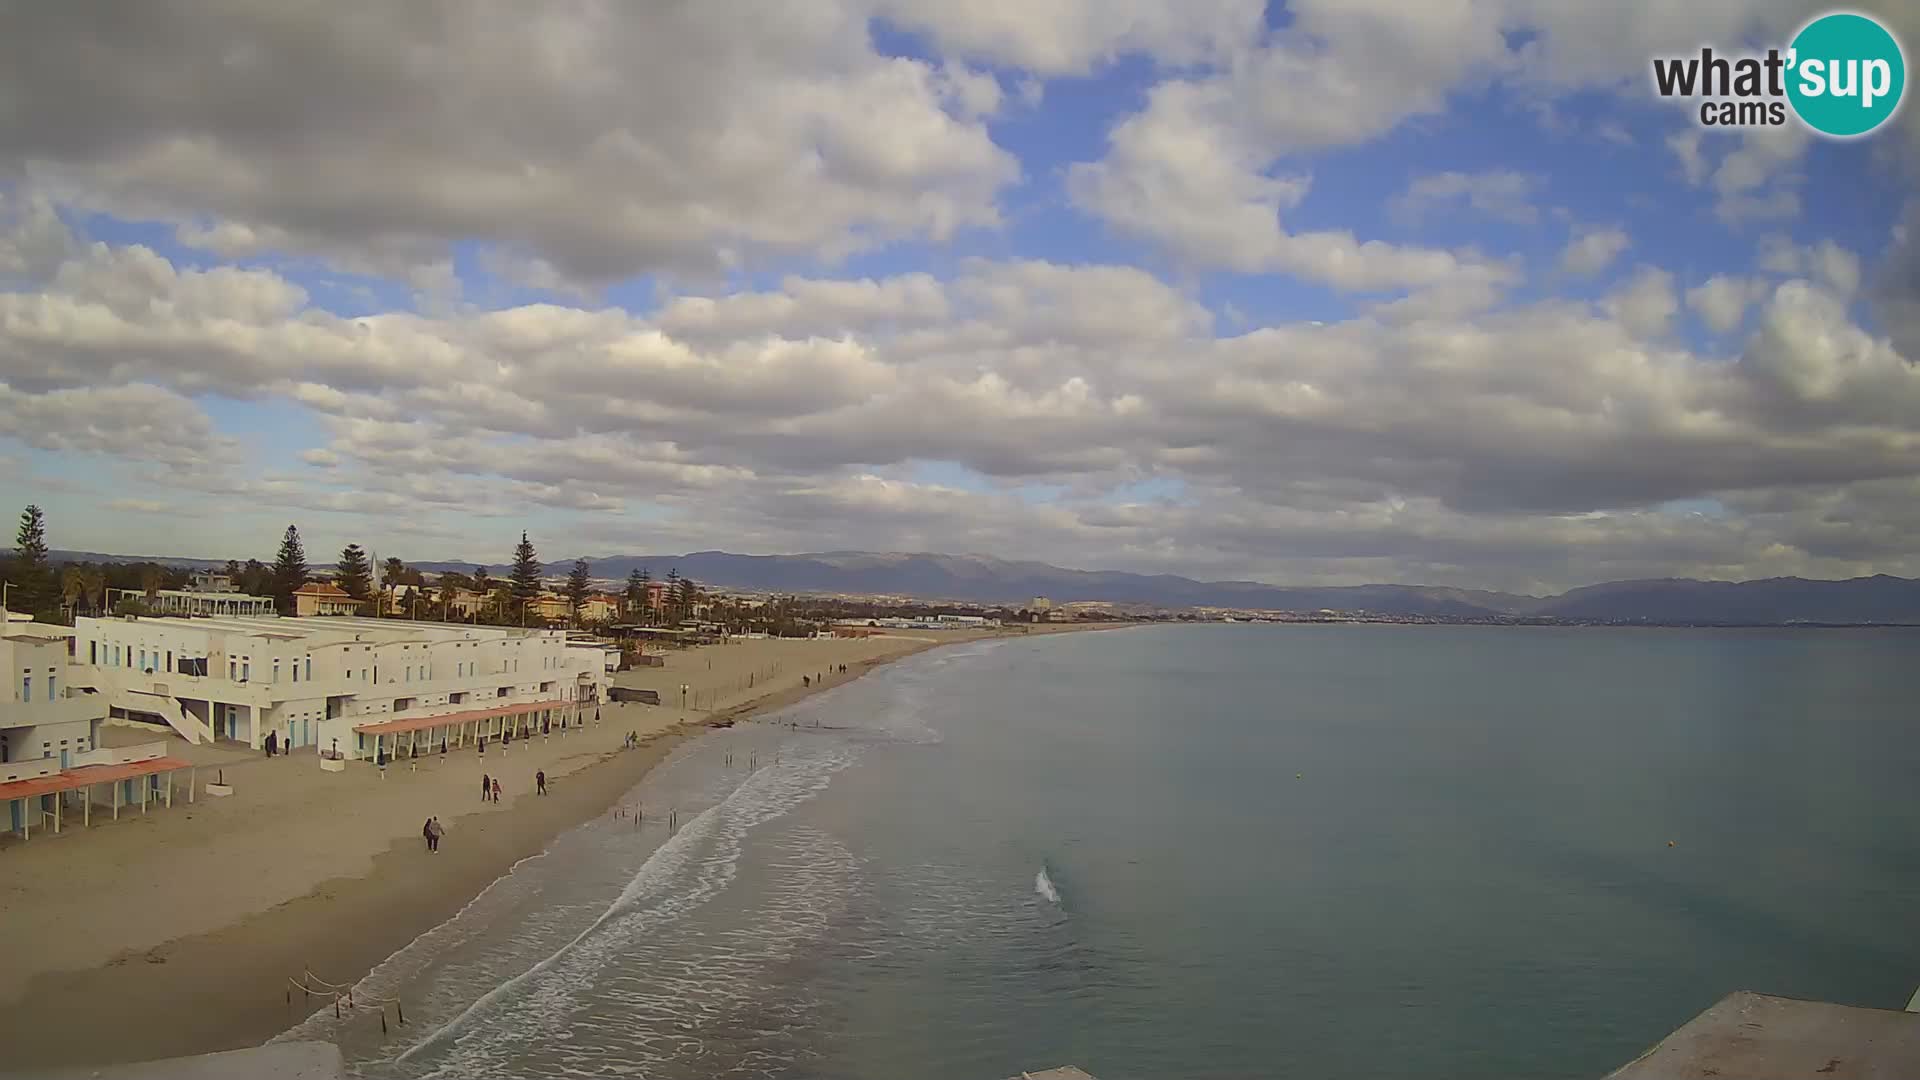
1877 599
985 580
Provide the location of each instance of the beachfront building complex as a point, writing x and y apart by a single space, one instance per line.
335 683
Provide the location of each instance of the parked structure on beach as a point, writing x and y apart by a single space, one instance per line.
335 683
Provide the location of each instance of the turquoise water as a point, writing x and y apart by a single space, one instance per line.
1216 851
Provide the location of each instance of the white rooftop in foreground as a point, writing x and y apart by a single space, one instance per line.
1067 1072
1749 1036
275 1061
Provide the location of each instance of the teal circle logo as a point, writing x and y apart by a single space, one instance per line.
1846 75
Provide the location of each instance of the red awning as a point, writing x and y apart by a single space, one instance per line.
421 723
87 776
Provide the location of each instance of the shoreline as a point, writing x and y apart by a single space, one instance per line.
226 988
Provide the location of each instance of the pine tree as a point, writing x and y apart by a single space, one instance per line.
526 573
579 584
355 575
289 569
687 597
393 572
671 595
33 589
636 591
233 571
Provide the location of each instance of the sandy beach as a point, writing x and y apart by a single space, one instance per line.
176 932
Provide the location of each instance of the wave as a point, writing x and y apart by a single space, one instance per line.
1043 885
683 874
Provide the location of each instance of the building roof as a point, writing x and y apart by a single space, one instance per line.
322 588
1761 1037
421 723
88 775
327 630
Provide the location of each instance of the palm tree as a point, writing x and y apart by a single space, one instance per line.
73 587
94 585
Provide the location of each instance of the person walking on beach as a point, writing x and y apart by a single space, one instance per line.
540 782
486 787
426 831
496 789
434 832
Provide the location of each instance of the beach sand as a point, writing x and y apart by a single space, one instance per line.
175 933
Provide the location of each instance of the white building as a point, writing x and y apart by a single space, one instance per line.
51 759
336 682
46 721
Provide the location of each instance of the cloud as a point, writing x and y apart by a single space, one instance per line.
602 142
1646 305
1501 195
1448 441
1438 418
136 421
1722 300
1071 37
1593 249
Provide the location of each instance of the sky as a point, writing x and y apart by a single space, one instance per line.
1329 291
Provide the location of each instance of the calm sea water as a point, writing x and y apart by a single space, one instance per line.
1214 852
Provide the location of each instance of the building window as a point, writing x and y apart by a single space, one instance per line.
276 669
246 671
143 659
52 684
26 688
93 652
233 668
169 661
309 669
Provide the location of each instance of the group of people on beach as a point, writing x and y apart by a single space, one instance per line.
817 679
433 831
632 740
489 788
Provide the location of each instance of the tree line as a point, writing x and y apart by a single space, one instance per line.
34 586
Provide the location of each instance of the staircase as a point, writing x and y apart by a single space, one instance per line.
188 726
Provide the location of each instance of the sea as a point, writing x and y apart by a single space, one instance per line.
1210 851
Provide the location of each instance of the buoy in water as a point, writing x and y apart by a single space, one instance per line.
1297 776
1669 843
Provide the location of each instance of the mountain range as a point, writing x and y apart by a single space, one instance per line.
1880 599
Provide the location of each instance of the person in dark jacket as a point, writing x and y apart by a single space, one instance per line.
486 787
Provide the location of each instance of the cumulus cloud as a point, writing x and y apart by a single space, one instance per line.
1593 250
1722 300
1373 446
599 144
